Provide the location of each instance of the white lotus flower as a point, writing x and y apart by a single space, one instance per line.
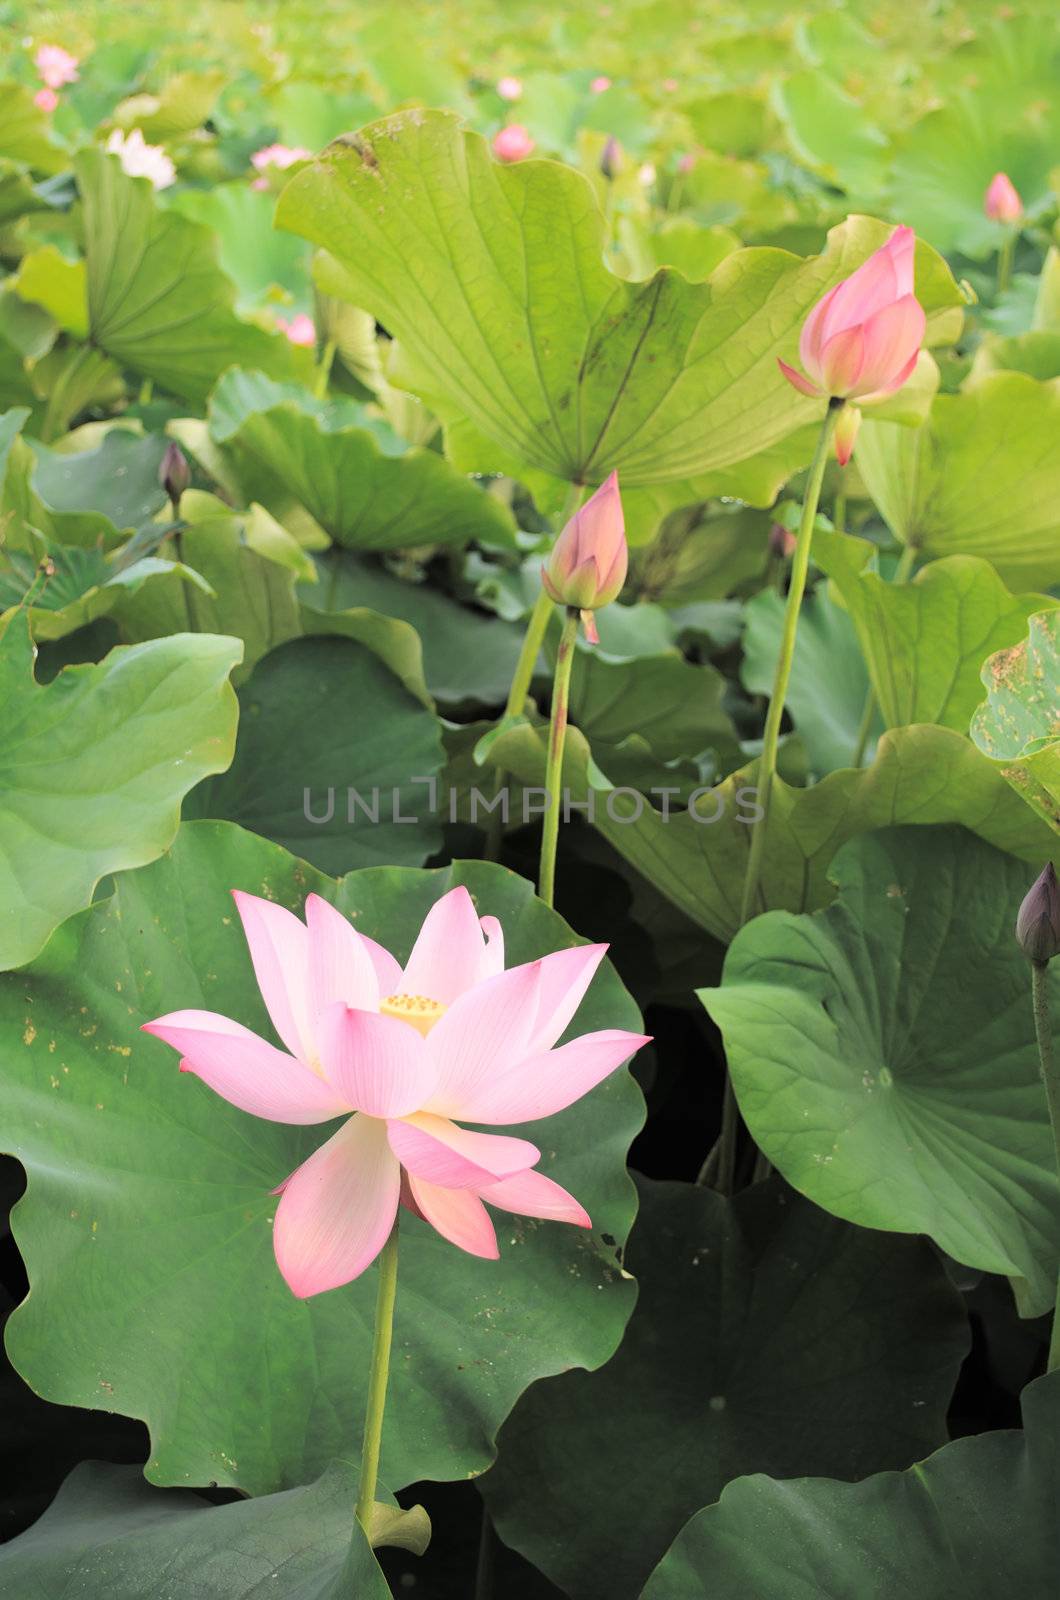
140 159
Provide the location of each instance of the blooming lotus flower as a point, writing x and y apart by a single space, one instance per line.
1002 202
599 85
55 66
46 100
401 1053
587 565
140 159
512 143
861 341
510 88
1038 922
300 329
279 155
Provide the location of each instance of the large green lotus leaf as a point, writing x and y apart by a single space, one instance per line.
826 694
158 301
925 641
982 478
254 254
146 1227
570 369
109 1536
184 105
94 765
1019 721
46 278
729 1365
883 1052
922 774
675 705
83 585
944 164
469 657
830 131
118 477
300 751
977 1519
18 197
702 557
361 483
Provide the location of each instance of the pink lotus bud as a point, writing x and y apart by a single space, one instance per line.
846 431
599 85
300 329
611 159
670 85
512 143
587 566
174 474
1001 201
686 163
55 66
1038 922
781 541
647 174
861 341
510 88
46 99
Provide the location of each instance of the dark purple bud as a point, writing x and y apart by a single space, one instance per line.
781 542
1038 923
174 475
611 160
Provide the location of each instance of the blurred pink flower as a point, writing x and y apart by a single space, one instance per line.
300 329
400 1054
46 99
1001 201
861 341
510 88
599 85
686 163
279 155
55 66
140 159
512 143
587 565
671 85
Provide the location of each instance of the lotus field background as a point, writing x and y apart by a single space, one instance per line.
319 324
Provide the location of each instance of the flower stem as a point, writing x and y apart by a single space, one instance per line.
557 738
1051 1079
487 1550
323 372
377 1377
1004 261
767 765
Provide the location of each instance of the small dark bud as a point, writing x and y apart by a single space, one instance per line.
174 475
611 160
1038 923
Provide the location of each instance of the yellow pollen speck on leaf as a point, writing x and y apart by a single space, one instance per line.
415 1009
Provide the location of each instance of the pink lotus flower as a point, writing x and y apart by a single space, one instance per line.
599 85
587 565
671 85
279 155
512 143
400 1054
1002 202
46 100
300 329
861 341
55 66
142 160
510 88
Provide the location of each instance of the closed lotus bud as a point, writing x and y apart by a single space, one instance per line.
861 341
588 563
1038 923
611 160
174 475
1001 201
512 143
510 88
781 541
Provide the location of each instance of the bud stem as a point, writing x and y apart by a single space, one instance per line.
1051 1079
767 765
557 738
378 1373
1004 261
